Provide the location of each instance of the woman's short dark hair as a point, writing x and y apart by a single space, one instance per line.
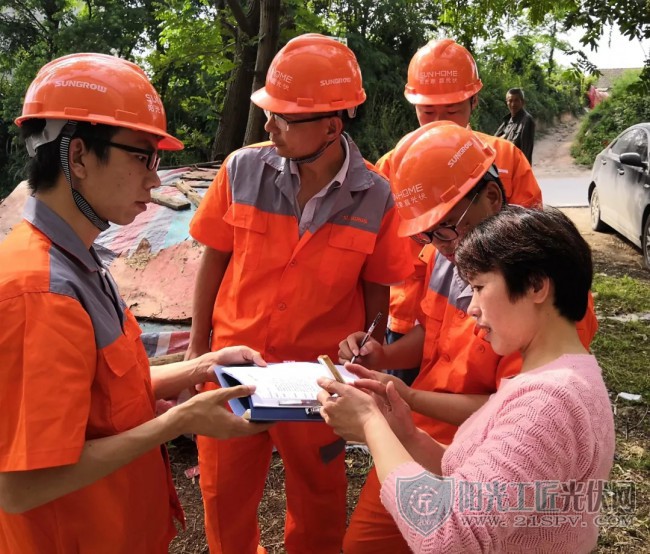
44 169
526 245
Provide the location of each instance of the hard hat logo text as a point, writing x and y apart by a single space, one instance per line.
409 196
279 79
336 81
458 155
442 76
154 105
81 84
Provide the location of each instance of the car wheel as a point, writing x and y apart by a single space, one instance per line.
645 242
597 224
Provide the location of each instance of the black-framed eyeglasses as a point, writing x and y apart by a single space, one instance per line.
152 156
444 233
283 123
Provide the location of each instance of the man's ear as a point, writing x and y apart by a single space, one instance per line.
77 156
334 127
494 196
473 102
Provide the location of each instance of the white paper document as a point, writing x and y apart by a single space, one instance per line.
283 384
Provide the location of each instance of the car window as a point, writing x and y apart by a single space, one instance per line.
639 144
623 143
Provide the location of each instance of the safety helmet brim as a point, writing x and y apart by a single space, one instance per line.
441 99
265 101
167 141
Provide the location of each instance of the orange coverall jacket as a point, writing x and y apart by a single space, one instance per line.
73 369
291 297
294 297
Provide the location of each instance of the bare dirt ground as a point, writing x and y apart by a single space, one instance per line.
612 255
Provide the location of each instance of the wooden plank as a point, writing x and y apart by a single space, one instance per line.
201 184
173 202
188 191
167 359
201 174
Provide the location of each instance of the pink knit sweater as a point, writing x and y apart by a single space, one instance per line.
526 470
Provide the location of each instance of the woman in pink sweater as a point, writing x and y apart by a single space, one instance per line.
525 473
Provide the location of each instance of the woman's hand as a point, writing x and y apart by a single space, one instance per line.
349 411
404 391
392 406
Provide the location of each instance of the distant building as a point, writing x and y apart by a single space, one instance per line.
598 92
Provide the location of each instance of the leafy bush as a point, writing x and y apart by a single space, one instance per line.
627 105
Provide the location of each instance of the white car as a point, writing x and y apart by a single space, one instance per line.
619 192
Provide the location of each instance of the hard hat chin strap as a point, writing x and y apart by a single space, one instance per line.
352 112
82 204
313 157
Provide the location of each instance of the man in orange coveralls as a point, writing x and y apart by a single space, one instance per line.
81 466
445 183
443 84
301 247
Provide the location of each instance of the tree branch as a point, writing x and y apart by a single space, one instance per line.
241 18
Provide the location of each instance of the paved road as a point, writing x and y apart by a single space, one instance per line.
564 192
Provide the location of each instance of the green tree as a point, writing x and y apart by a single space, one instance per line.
32 32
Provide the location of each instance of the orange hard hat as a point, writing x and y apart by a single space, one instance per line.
434 167
441 72
98 88
312 73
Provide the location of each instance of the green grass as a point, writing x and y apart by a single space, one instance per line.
623 351
616 295
623 348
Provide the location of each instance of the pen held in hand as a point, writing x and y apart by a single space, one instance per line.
366 337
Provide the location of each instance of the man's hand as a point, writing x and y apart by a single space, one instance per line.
370 355
206 414
230 355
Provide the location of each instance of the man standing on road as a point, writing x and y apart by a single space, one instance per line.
519 126
301 247
82 468
443 84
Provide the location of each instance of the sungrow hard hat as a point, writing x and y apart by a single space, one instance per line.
434 167
312 73
97 88
441 72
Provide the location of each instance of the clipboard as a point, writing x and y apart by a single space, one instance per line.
303 408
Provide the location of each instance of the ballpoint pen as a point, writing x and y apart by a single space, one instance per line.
370 331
